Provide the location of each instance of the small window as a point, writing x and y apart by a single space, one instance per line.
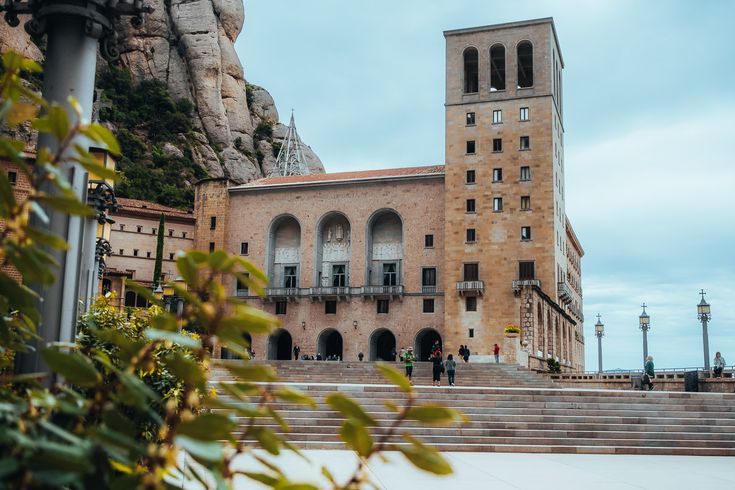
290 277
140 229
428 277
170 232
470 303
122 227
497 117
525 232
241 289
470 177
471 272
428 305
135 252
471 235
183 234
13 177
339 275
470 119
470 205
471 333
122 252
497 204
525 173
390 274
497 145
383 306
171 256
524 114
471 82
525 203
148 255
525 143
244 248
330 307
153 231
280 307
470 147
428 241
212 222
497 175
526 270
211 247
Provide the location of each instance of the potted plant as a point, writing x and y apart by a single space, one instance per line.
512 331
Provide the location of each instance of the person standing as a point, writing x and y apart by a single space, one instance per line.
408 358
360 356
436 367
451 366
496 352
296 352
718 365
648 374
401 354
466 354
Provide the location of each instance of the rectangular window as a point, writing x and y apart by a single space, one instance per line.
244 248
183 234
280 307
153 231
470 205
241 289
212 222
339 275
383 306
497 204
170 232
470 119
122 227
139 228
525 173
171 256
428 277
525 232
428 241
526 270
470 177
148 255
497 175
470 303
524 113
390 274
428 305
290 279
135 252
470 147
471 238
525 143
12 177
525 203
211 247
471 272
497 145
471 333
330 307
122 252
497 117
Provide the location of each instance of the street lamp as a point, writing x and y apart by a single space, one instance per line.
645 324
704 315
599 332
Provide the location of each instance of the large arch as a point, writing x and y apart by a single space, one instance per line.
524 60
284 251
382 345
497 67
329 343
280 346
424 343
333 250
384 248
130 298
471 82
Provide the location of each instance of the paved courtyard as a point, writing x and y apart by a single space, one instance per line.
501 471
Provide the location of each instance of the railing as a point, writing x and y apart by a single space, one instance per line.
330 291
283 292
383 290
518 284
471 286
565 292
665 373
428 289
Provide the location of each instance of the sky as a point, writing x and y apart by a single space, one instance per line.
649 136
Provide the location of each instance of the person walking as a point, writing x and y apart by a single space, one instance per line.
408 359
718 365
436 367
496 352
648 374
466 354
296 352
451 365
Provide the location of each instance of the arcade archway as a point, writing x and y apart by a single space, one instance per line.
424 343
279 346
382 345
329 344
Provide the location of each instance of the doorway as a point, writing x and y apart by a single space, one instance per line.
279 346
329 344
383 345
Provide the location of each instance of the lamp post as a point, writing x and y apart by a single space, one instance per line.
645 324
704 315
599 332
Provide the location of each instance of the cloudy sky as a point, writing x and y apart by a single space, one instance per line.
650 136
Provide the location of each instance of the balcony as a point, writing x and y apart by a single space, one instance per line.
429 289
391 292
280 294
470 288
565 292
519 284
329 292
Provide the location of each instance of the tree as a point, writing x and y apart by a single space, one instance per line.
159 254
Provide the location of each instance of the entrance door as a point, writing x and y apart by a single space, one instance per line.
330 344
279 346
425 341
383 345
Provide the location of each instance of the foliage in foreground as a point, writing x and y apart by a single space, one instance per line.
129 402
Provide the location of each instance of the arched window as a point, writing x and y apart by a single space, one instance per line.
497 68
525 64
471 82
130 297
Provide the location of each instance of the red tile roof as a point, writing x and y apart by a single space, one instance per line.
151 207
342 176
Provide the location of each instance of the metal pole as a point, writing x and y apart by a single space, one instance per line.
645 345
706 343
599 354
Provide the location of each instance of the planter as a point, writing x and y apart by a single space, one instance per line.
512 335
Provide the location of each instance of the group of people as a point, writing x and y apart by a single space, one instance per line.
438 365
649 374
464 353
319 357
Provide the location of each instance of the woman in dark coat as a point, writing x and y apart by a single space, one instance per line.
436 367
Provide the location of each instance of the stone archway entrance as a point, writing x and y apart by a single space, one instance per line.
382 345
424 342
329 343
279 346
226 354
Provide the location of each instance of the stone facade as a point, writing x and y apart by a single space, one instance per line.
21 186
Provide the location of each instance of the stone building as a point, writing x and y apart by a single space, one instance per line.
377 260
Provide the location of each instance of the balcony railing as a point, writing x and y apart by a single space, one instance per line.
383 291
470 287
428 289
329 292
519 284
565 292
283 293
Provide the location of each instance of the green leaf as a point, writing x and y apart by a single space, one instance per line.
141 290
249 319
67 203
424 457
184 368
263 478
247 371
21 112
395 377
268 439
76 368
349 408
174 337
203 450
434 414
291 395
55 122
208 427
100 134
357 437
45 238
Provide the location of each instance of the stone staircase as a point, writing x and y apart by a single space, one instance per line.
523 418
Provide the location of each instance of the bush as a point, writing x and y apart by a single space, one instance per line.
554 366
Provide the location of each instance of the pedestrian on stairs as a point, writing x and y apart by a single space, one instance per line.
496 351
408 358
648 374
437 367
719 365
451 366
296 352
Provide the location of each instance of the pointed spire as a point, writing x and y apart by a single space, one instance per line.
290 159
